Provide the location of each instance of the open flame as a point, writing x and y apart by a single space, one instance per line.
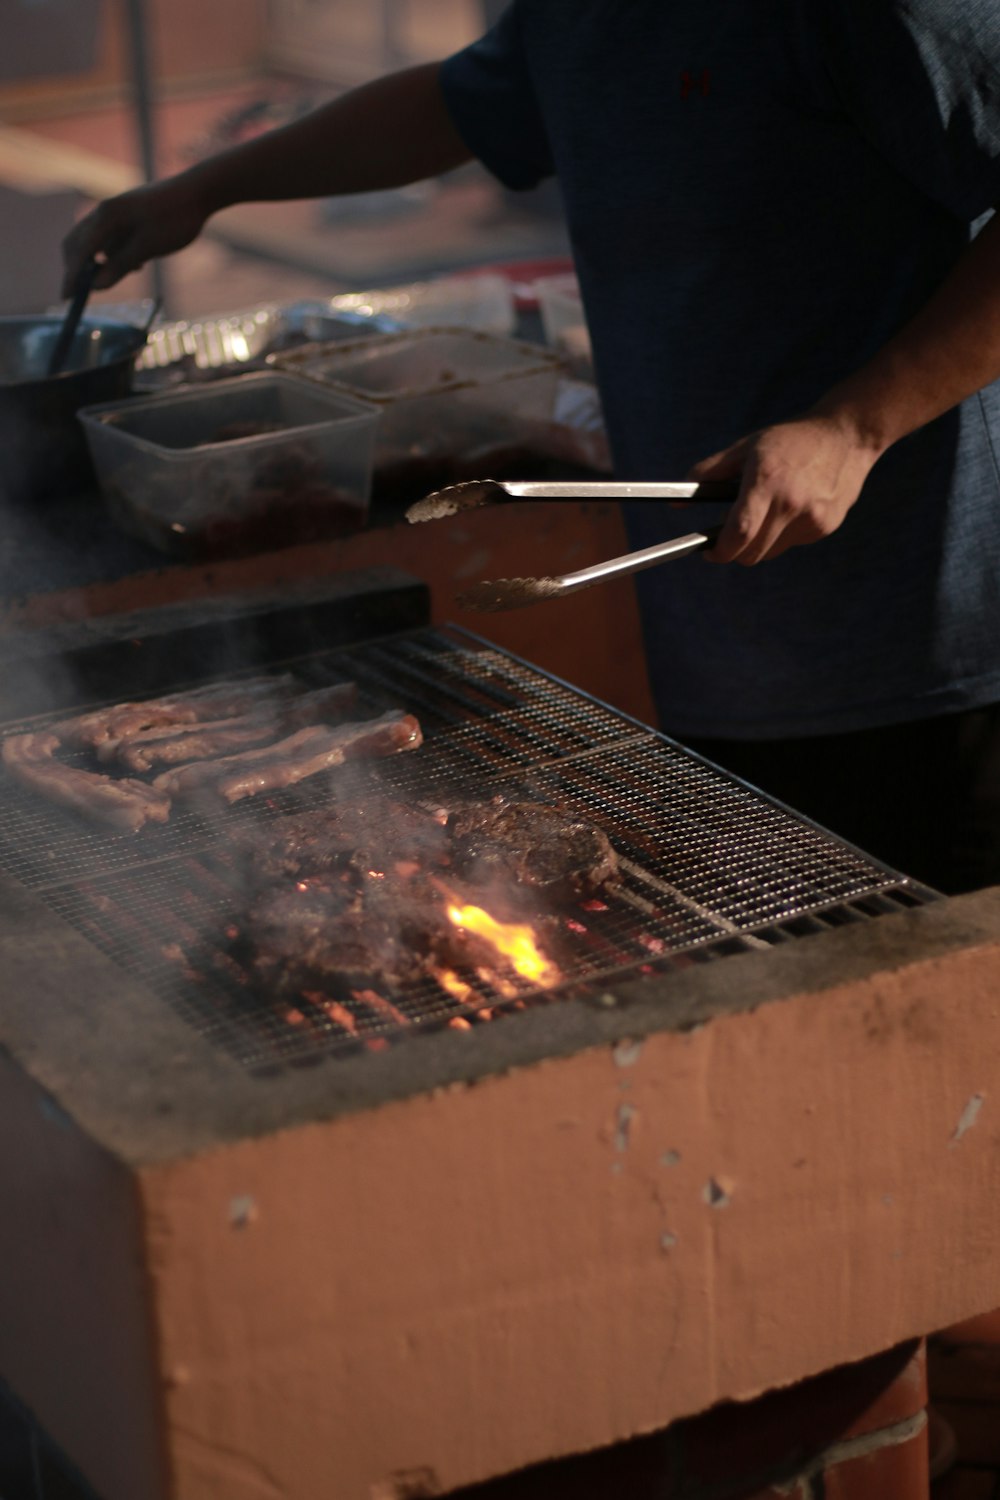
515 941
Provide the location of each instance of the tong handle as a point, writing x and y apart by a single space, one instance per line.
635 562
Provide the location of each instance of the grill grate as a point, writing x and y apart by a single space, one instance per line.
709 866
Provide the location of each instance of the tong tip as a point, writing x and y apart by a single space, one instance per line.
509 593
469 495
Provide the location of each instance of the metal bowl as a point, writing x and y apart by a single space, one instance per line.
43 453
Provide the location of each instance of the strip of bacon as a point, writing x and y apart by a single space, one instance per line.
124 804
291 760
122 720
166 745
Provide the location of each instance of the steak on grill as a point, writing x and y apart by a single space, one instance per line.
393 838
546 851
321 931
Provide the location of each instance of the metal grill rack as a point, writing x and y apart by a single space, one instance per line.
710 867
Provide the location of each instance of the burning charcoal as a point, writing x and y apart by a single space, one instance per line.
541 849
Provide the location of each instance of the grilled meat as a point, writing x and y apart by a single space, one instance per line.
548 852
97 729
330 931
357 896
320 931
233 777
122 803
390 838
166 744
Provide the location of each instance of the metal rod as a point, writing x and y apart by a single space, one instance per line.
143 101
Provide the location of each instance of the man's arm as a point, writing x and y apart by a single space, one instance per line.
800 478
393 131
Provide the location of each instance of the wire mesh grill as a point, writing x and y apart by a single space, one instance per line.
708 866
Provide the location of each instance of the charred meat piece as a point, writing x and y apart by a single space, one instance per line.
166 745
393 839
124 804
552 853
326 932
122 720
291 760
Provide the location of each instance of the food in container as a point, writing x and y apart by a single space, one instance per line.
258 461
454 404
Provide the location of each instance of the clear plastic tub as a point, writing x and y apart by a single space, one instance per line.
564 323
243 465
454 404
478 300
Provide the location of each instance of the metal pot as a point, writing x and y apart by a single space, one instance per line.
43 452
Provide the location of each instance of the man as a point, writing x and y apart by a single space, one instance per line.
774 211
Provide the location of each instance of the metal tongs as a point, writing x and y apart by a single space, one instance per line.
513 593
474 494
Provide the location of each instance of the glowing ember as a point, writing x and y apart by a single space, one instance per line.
333 1008
449 980
379 1003
376 874
514 940
593 906
575 926
459 1023
497 982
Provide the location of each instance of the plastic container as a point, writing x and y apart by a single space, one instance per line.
478 300
454 404
243 465
564 322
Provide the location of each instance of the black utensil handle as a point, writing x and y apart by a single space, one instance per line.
61 348
724 491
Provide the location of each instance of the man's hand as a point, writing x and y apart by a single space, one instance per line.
123 233
799 480
392 131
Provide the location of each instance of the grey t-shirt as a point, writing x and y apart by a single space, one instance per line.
758 195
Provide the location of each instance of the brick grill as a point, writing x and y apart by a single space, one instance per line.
710 867
377 1268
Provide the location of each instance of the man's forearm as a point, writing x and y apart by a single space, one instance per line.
946 352
799 478
393 131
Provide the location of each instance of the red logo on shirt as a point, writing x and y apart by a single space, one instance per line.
689 83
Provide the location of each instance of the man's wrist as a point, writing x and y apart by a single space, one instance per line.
864 424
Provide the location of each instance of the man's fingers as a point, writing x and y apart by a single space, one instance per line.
741 528
117 265
726 464
108 235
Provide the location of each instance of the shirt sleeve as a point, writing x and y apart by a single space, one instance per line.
921 79
489 93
